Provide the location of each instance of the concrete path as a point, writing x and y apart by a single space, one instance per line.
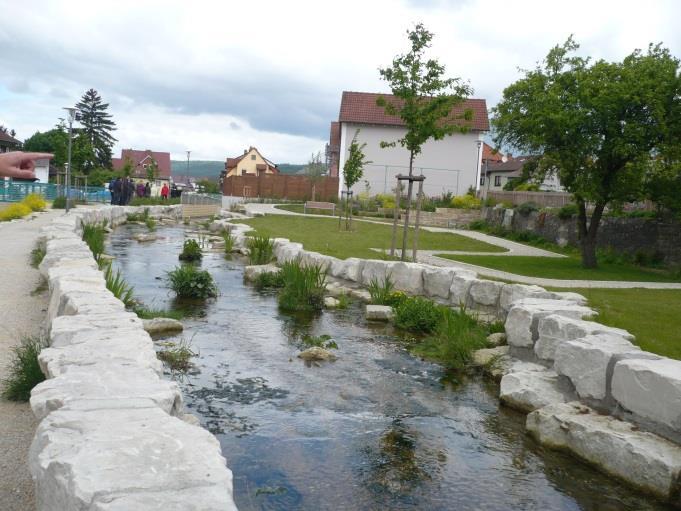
513 249
21 314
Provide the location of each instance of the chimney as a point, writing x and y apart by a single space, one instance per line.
245 151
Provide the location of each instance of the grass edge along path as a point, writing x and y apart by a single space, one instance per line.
322 235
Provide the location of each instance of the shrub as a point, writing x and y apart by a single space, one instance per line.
59 202
118 286
269 279
37 255
417 314
478 225
191 251
454 339
386 201
178 356
380 291
567 211
14 211
466 202
189 282
526 208
93 235
260 249
35 201
304 287
527 187
24 370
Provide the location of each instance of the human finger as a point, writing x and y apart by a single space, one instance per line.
18 173
36 156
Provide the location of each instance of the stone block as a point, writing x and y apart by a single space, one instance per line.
64 329
116 459
511 293
379 312
253 271
437 281
484 294
458 291
375 270
408 277
650 389
530 390
330 302
616 447
158 326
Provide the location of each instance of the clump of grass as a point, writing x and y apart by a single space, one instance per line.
304 287
24 370
93 235
320 341
150 223
189 282
261 249
138 217
380 291
454 339
269 279
343 301
177 357
59 202
14 211
229 242
118 286
35 201
418 315
144 312
191 251
37 255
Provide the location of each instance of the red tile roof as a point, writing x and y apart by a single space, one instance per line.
490 154
138 158
361 108
512 165
6 137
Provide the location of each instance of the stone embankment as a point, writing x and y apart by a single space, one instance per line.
587 388
113 434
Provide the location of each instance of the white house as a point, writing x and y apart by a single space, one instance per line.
450 165
496 176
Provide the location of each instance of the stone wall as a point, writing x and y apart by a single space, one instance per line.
627 235
587 388
113 434
449 217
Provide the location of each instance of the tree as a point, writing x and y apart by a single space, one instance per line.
424 100
152 171
128 167
598 125
97 127
353 170
54 141
209 186
315 171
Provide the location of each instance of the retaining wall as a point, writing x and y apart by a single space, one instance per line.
113 434
587 387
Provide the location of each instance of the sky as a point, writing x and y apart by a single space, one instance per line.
217 77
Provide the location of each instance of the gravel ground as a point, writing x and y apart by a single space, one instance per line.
20 314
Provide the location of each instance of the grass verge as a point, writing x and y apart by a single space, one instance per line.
24 370
322 235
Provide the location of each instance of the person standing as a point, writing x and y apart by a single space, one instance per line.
141 189
116 190
164 192
147 190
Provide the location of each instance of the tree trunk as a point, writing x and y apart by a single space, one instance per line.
396 214
405 230
415 246
588 231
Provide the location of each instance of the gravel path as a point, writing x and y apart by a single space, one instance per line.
20 314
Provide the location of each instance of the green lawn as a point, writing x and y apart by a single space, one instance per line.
652 315
322 235
565 268
299 208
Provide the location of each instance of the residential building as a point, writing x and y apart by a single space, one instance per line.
8 142
450 165
251 163
141 160
497 175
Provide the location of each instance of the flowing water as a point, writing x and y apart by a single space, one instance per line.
375 430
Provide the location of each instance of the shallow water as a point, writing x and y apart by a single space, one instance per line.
378 429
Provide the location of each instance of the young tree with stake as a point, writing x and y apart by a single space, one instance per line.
353 170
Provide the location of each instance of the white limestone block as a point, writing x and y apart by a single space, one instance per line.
157 326
64 329
511 293
376 270
253 271
458 291
379 312
529 390
408 277
437 281
484 293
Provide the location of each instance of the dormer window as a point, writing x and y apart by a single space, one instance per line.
253 157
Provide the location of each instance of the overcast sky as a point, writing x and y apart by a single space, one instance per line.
216 77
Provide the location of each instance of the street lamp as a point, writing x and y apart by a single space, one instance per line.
478 166
71 117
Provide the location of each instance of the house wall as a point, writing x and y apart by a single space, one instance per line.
248 164
450 165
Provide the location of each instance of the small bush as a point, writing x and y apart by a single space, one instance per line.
568 211
37 255
24 370
177 357
304 287
35 201
14 211
93 235
269 279
59 202
118 286
526 208
478 225
261 249
418 315
191 251
189 282
380 291
466 202
527 187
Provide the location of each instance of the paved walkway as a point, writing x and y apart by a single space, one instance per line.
514 249
21 314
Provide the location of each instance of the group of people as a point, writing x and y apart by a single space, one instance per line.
124 189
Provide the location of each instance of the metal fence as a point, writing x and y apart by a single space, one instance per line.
15 191
381 179
201 199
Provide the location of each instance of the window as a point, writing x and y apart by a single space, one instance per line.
482 180
253 157
243 172
497 180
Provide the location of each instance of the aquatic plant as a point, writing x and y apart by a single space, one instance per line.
150 223
138 217
268 279
380 291
189 282
191 251
24 370
118 286
417 315
261 249
304 286
320 341
93 235
178 356
229 242
343 301
145 312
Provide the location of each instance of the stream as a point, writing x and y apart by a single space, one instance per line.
377 429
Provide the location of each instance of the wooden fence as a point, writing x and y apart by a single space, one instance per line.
281 186
543 199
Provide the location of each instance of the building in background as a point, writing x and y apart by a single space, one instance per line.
8 142
141 160
251 163
450 165
496 176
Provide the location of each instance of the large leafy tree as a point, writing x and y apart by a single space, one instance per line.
423 99
97 127
56 141
598 124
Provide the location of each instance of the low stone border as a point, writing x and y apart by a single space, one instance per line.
578 380
113 434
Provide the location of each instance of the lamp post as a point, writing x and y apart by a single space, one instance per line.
71 116
187 172
478 166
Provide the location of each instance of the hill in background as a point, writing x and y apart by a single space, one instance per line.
211 168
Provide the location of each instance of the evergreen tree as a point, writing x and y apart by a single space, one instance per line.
97 126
